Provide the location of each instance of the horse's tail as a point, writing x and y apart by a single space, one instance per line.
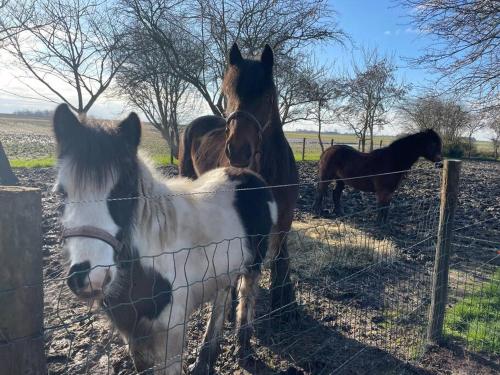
186 166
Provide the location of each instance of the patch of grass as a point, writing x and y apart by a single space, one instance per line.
475 319
163 160
324 248
308 156
33 163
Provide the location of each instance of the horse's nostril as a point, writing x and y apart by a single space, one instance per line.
78 276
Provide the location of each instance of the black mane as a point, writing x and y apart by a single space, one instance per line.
409 148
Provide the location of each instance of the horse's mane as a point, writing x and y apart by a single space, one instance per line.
408 148
415 140
155 208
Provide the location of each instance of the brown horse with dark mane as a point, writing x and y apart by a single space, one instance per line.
251 136
344 164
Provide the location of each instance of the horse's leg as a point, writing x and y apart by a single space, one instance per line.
383 202
231 315
211 341
282 296
320 194
337 194
140 349
247 290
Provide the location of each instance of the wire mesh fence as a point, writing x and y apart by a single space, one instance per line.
362 298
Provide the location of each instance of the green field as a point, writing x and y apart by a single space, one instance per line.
476 319
29 142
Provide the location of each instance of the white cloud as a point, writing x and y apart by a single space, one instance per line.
411 30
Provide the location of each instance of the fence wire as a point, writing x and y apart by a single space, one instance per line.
362 297
354 288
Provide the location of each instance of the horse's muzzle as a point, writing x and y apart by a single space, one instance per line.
81 284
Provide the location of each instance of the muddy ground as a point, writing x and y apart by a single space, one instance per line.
356 316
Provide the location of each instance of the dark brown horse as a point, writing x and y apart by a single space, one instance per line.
344 163
251 136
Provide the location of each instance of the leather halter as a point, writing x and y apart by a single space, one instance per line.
88 231
248 115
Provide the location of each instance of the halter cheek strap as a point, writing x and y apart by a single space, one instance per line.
249 116
88 231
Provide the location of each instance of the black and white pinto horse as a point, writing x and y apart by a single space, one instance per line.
153 250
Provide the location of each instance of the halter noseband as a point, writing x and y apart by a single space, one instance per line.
248 115
93 232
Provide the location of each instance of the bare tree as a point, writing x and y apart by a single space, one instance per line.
444 115
295 77
322 93
473 124
7 29
148 84
66 43
466 44
287 25
493 123
371 91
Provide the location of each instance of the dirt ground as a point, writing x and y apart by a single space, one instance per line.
358 314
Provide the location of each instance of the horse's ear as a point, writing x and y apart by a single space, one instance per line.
130 130
65 123
267 57
235 55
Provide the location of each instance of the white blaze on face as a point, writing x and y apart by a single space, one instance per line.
88 207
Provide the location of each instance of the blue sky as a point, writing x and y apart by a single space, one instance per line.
383 24
377 23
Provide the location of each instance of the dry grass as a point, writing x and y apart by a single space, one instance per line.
330 247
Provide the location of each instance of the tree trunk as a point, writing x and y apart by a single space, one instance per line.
7 177
371 138
363 140
319 129
470 144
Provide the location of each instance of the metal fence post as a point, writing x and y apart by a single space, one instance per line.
449 193
303 149
21 289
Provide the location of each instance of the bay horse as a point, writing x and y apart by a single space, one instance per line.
251 136
344 164
152 250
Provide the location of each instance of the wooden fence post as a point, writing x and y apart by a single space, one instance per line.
439 296
381 141
331 143
303 149
21 288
